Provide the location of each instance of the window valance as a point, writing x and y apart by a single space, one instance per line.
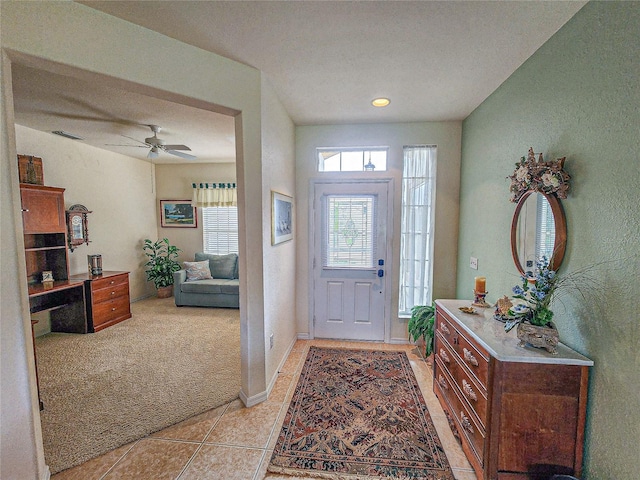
213 194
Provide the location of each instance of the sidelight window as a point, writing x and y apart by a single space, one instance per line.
417 225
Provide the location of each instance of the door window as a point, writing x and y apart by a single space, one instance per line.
349 237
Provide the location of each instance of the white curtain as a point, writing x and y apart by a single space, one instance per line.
416 241
214 195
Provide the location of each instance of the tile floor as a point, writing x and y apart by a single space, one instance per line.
235 443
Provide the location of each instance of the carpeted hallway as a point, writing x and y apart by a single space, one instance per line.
160 367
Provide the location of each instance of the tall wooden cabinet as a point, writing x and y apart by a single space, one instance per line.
45 228
45 243
519 412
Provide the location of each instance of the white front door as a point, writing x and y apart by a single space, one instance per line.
350 248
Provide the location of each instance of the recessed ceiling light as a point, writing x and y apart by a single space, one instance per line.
380 102
72 136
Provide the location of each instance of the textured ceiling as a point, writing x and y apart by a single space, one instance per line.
328 59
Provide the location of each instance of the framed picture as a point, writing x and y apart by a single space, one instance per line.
178 214
281 218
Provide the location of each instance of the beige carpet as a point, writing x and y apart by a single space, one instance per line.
106 389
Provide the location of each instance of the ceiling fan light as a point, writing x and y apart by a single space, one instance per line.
380 102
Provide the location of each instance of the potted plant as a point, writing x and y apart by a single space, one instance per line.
421 325
161 265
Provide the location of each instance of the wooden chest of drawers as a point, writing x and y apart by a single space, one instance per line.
107 298
519 412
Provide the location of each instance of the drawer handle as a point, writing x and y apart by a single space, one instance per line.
113 309
444 356
466 386
443 382
444 328
468 356
466 424
112 282
113 293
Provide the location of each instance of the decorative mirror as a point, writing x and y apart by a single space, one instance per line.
77 226
539 226
538 229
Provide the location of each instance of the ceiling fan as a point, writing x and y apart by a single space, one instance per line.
155 145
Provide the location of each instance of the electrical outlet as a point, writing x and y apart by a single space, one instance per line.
473 263
270 341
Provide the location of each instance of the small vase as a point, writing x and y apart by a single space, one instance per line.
165 292
539 337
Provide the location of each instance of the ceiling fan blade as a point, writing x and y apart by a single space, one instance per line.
175 147
136 140
181 154
122 145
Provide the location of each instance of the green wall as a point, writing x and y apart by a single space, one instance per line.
578 96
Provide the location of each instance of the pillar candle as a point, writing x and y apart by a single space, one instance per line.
481 284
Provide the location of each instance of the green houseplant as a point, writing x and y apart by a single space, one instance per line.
162 263
421 325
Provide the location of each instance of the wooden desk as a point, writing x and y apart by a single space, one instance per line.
65 303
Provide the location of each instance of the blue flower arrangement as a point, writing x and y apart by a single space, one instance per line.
536 293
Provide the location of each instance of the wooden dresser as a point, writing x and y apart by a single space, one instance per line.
519 412
107 299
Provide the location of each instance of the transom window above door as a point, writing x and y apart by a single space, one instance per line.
352 159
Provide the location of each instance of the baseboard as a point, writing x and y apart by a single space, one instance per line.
137 299
254 400
304 336
399 341
46 475
262 396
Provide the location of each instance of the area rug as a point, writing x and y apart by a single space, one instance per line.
163 365
359 414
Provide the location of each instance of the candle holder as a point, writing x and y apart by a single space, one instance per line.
479 299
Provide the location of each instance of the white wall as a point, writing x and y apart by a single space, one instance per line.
119 192
447 136
173 182
20 427
72 39
278 173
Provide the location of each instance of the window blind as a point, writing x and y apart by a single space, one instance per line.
220 230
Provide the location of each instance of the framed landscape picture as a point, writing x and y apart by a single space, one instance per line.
281 218
178 214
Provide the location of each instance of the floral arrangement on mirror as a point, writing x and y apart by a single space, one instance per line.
539 176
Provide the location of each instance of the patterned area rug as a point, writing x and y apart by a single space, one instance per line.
359 414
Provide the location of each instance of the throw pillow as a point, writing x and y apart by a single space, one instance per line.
221 266
197 270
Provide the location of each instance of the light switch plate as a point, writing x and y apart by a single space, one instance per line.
473 263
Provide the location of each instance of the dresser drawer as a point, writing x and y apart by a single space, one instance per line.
109 282
475 358
109 310
474 394
111 293
471 432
